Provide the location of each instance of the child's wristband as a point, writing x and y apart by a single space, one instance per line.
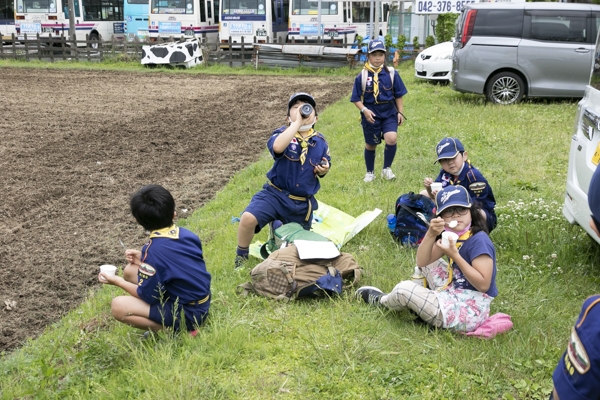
363 110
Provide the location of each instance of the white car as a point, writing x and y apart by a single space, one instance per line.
435 62
584 155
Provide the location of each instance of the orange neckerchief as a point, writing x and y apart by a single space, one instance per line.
461 239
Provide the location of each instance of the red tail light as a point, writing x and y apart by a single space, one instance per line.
468 27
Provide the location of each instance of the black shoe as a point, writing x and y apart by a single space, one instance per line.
239 261
369 294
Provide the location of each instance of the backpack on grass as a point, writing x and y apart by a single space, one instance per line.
284 276
410 227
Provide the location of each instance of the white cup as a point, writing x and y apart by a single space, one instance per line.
108 269
447 237
436 186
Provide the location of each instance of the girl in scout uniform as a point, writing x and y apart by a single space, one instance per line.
462 289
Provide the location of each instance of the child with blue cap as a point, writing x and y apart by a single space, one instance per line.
577 375
462 289
377 93
457 170
301 158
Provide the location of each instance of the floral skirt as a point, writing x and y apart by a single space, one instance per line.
463 310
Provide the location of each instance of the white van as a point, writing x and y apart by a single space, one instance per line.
511 50
584 155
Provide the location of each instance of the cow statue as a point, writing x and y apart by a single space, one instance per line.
185 52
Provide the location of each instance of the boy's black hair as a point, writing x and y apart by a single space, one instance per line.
153 207
478 222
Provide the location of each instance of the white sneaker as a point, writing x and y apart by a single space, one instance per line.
387 173
369 177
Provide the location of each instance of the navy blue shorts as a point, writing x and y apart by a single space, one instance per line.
166 314
374 132
270 204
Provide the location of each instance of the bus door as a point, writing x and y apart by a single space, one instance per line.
280 13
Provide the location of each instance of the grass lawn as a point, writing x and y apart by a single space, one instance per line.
255 348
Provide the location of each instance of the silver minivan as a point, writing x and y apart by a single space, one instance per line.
511 50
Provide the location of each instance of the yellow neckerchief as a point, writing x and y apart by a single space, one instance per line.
303 140
172 232
462 239
375 72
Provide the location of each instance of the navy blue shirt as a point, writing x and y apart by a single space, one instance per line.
387 94
577 376
471 179
477 245
289 174
173 268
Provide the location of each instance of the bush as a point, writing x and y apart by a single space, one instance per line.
429 41
401 43
416 43
444 29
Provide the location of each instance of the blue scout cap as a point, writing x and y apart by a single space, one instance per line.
305 97
452 196
594 195
376 45
448 147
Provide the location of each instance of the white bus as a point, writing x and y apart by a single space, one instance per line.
267 20
338 19
176 18
100 19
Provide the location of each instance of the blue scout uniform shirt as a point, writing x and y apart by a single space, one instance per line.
477 245
289 174
172 263
577 376
387 94
471 179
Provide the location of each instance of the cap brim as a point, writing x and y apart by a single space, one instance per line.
446 156
439 211
304 98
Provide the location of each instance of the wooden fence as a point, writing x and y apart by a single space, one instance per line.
61 48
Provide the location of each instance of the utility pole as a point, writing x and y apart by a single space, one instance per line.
72 32
319 22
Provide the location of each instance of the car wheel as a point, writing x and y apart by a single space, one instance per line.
505 88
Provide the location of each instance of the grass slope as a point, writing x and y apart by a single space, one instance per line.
254 348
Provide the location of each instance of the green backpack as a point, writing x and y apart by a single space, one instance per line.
287 234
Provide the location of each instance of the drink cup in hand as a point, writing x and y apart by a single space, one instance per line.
107 269
436 186
448 237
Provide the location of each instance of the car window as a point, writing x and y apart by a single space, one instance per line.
507 23
559 26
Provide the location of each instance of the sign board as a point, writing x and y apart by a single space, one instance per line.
173 28
29 28
310 30
240 28
450 6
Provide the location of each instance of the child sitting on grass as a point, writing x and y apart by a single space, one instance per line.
302 158
457 170
167 280
462 289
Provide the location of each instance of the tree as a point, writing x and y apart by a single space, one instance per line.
444 29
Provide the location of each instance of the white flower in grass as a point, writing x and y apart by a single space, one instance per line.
525 257
553 255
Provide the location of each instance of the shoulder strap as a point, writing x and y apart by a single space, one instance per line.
391 70
363 81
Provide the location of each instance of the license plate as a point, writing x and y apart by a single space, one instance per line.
596 156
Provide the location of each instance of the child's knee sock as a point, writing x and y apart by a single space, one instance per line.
370 160
242 251
388 155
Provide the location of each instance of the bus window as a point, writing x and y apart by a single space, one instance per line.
311 7
172 7
209 8
76 5
202 11
104 10
216 11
